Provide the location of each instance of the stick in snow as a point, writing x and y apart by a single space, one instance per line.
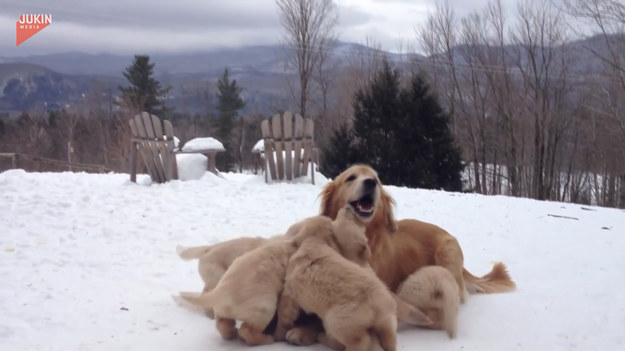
558 216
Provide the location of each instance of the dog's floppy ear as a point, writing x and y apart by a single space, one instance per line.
387 207
327 196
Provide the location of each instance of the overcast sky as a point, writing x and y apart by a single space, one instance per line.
150 26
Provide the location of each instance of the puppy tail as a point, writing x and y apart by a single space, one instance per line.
411 314
206 299
189 253
496 281
450 307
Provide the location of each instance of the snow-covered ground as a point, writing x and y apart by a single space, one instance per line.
88 262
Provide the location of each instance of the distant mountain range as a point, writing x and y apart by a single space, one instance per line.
55 80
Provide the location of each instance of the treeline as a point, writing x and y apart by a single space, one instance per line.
531 117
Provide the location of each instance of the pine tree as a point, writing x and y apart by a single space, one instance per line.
401 132
145 92
434 160
376 111
339 151
228 104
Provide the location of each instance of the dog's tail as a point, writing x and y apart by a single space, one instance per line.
449 305
496 281
189 253
410 314
204 299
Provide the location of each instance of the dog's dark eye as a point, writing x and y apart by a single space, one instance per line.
350 178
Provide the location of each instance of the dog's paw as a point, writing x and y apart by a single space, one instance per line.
301 336
229 334
331 342
279 334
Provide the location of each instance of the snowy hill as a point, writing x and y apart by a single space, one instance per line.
88 262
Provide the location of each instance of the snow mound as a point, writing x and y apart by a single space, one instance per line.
202 144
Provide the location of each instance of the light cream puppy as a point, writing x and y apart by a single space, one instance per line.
357 309
434 291
214 260
248 292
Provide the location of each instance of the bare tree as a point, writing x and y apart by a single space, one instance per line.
544 72
309 26
438 37
608 18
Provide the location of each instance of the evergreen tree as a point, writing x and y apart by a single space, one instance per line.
434 160
401 132
145 92
339 151
229 102
376 112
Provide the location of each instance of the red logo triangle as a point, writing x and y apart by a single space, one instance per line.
25 30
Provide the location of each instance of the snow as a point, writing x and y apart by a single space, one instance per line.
191 166
202 144
259 146
88 262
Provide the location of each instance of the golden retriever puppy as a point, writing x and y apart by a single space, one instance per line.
356 308
214 260
346 232
349 234
433 290
248 292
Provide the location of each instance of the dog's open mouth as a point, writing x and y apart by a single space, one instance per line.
363 206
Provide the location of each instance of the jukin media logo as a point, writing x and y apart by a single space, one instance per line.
29 25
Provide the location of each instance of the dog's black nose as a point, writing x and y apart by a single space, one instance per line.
369 184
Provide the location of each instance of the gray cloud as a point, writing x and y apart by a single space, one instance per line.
122 26
177 16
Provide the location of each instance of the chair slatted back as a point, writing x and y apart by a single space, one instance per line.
288 141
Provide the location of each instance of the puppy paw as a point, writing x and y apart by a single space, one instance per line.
279 334
301 336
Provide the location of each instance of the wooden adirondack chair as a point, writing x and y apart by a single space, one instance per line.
154 140
288 146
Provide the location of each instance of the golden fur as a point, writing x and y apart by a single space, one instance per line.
214 260
250 298
356 308
253 298
399 248
433 290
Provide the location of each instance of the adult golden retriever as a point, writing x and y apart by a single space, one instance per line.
399 248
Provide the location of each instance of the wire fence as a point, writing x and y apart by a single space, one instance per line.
30 163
